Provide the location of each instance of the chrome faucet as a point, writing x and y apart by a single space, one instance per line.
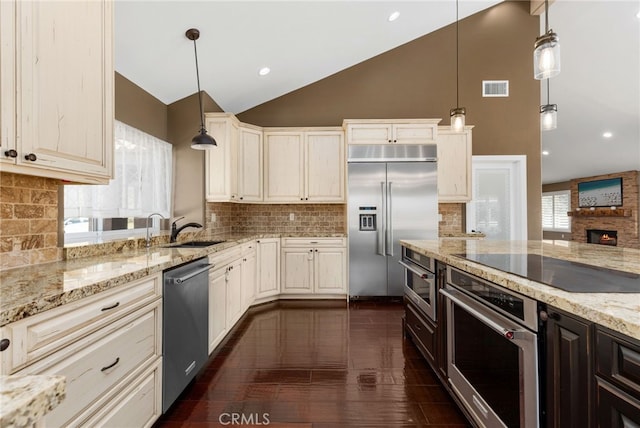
175 230
148 240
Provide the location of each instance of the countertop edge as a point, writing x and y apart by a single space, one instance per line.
24 400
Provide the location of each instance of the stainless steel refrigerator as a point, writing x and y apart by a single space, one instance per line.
392 196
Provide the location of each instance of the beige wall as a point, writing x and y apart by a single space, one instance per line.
136 107
418 80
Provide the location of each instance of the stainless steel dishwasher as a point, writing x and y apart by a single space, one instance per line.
184 326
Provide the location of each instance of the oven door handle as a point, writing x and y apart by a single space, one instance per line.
506 332
421 273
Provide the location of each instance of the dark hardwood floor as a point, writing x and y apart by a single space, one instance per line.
317 365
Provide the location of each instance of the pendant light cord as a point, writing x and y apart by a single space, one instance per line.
195 50
457 48
546 16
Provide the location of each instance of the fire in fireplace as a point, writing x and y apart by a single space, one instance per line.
603 237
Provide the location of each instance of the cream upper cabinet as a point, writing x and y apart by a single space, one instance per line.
63 109
385 131
324 166
220 167
249 170
284 163
454 165
304 165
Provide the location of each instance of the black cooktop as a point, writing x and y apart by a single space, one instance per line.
565 275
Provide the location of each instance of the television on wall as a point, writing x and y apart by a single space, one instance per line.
600 193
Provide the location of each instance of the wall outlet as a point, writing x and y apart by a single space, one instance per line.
439 217
292 217
213 217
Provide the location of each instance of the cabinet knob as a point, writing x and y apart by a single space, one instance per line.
31 157
395 141
301 199
316 250
241 197
388 141
4 344
11 153
306 199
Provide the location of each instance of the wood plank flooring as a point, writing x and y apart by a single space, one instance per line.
307 364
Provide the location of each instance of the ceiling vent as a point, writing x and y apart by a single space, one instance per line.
495 88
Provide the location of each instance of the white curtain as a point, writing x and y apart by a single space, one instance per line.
141 184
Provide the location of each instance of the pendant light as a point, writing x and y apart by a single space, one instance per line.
202 141
548 114
546 53
457 114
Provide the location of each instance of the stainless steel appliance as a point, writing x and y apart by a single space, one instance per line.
492 349
420 281
185 325
392 196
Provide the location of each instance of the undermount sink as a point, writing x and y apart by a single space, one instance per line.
194 244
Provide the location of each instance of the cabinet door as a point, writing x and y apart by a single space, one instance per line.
268 275
218 160
454 166
284 158
66 90
234 293
297 270
248 280
330 270
7 81
250 165
414 133
369 133
615 408
325 166
568 371
217 307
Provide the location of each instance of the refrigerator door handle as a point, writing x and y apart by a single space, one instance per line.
382 225
389 223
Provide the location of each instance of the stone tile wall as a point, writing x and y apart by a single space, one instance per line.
628 228
28 220
452 219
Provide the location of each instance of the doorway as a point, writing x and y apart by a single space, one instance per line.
498 206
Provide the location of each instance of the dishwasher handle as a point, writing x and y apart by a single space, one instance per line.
184 278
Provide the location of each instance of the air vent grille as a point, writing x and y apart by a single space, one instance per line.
495 88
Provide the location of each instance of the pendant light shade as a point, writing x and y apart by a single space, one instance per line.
457 114
548 117
546 53
202 141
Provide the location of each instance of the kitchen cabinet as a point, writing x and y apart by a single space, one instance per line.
221 161
617 380
249 170
217 306
268 268
315 266
454 164
304 165
385 131
57 91
569 370
103 345
248 275
422 331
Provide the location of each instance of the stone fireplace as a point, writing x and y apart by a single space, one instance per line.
602 237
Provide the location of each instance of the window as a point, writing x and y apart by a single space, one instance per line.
141 185
555 206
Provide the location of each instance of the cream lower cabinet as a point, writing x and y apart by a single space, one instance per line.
454 165
57 89
248 275
314 266
217 306
268 268
109 348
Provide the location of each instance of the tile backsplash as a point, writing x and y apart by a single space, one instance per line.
28 220
452 219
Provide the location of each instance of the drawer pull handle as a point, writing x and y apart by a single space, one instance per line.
110 365
4 344
417 327
111 307
31 157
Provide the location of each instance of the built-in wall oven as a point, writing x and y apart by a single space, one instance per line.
492 343
420 281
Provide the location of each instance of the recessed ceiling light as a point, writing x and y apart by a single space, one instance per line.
394 16
607 134
264 71
638 15
545 152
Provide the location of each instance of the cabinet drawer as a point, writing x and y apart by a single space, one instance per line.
95 364
40 335
138 405
615 409
225 257
618 360
314 242
423 331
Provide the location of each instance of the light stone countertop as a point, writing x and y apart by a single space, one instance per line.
24 400
618 311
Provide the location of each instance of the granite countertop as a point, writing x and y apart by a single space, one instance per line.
618 311
27 291
24 400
